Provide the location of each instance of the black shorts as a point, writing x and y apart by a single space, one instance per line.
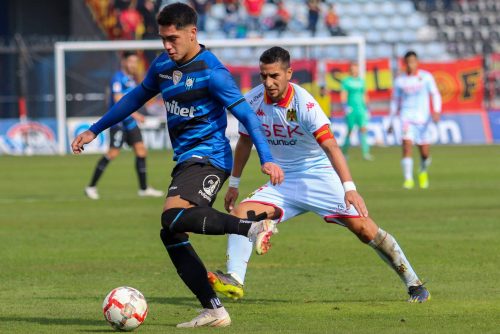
119 135
197 182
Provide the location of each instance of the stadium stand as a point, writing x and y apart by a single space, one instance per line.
466 27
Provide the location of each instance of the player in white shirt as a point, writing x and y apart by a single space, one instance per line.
411 94
317 177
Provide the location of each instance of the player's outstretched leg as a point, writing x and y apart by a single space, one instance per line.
389 250
206 220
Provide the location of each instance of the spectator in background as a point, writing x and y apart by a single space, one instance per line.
202 7
254 10
148 11
282 18
324 101
131 23
231 21
332 22
314 11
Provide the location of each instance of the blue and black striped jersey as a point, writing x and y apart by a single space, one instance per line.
196 95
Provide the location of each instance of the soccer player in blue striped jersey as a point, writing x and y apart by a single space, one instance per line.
128 131
197 90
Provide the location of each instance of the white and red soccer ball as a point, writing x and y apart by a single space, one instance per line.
125 308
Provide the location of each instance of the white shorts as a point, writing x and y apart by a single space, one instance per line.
318 190
417 133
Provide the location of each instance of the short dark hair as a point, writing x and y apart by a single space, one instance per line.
178 14
274 55
126 54
410 53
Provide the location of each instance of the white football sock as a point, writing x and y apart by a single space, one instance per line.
239 250
388 249
407 164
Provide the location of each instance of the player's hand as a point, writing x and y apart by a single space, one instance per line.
390 129
354 198
230 199
436 117
276 175
80 140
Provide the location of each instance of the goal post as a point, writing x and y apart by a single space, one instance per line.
310 45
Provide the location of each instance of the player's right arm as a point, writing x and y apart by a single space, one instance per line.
241 156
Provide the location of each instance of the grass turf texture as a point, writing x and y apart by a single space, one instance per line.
60 253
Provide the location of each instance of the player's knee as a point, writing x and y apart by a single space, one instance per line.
170 239
364 228
169 217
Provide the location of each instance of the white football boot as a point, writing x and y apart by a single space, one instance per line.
260 234
150 192
92 193
209 318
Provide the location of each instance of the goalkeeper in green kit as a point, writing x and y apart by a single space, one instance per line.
354 98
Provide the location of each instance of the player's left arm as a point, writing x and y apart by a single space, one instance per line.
435 97
327 141
224 89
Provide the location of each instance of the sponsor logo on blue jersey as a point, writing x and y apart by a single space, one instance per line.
174 108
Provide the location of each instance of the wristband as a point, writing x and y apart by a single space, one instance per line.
348 186
234 182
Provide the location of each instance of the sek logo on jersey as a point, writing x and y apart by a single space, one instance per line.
173 108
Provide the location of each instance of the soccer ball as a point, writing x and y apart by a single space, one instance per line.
125 308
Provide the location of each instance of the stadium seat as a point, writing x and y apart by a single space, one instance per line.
218 11
390 36
397 22
371 9
383 50
405 8
387 8
373 36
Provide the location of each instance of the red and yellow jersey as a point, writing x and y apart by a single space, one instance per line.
294 127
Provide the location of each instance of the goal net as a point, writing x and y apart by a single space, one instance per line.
84 69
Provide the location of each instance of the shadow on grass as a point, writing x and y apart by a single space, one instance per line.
54 321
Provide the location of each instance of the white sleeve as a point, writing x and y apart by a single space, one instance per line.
310 116
435 95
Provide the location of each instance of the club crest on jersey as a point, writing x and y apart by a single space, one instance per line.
176 77
189 83
211 185
291 115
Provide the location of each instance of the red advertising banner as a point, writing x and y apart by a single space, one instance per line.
378 78
460 82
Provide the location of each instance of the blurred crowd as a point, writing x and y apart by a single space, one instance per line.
135 19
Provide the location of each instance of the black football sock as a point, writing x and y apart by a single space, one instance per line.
140 167
99 169
190 268
204 220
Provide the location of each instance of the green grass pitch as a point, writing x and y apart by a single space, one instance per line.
60 253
